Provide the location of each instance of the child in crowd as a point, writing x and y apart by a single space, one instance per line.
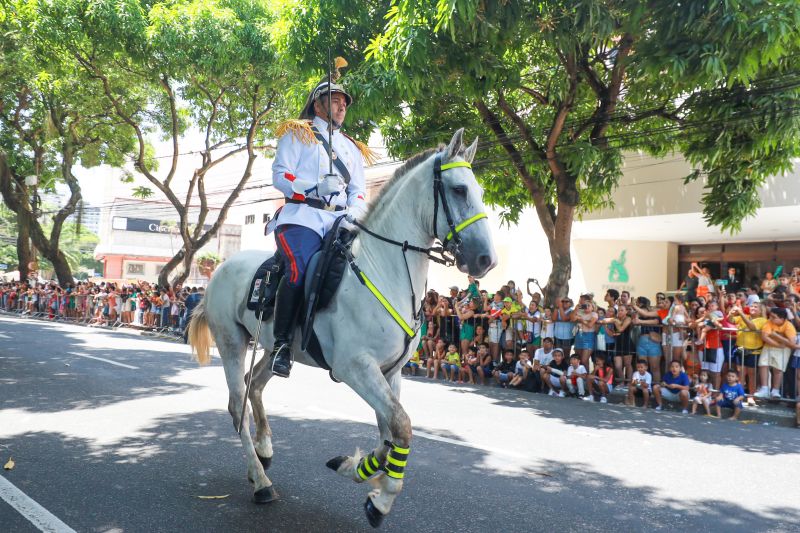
731 395
674 387
413 363
435 360
470 367
520 369
641 385
505 371
451 366
601 380
576 376
703 395
486 368
554 374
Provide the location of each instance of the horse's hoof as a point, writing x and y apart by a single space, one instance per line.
265 462
336 462
265 495
374 516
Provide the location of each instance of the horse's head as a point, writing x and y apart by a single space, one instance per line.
459 216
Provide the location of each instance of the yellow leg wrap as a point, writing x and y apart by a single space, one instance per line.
368 466
396 461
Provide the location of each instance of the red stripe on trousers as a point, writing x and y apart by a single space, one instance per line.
290 255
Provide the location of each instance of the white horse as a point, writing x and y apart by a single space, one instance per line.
356 329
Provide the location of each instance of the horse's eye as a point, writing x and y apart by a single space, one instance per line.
460 190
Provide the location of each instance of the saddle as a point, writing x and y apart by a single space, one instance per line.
323 276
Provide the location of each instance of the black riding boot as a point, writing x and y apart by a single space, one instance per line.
288 301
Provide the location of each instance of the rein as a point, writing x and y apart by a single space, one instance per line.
445 256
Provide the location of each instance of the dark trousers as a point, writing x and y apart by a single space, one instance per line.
297 244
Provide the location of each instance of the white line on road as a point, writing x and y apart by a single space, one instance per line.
123 365
37 515
431 436
4 336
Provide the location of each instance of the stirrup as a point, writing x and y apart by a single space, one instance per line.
281 370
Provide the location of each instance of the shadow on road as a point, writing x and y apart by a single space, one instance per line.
152 482
26 386
777 441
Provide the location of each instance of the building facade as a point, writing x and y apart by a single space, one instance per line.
138 238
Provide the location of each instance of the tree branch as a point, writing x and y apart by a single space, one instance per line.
492 121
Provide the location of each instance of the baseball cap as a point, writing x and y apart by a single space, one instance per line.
454 288
508 299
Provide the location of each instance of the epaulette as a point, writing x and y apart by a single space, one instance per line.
300 129
370 156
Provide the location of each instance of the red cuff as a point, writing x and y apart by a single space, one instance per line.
288 176
298 196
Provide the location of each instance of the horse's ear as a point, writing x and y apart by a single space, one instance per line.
456 144
469 153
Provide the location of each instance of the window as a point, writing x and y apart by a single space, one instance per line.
249 219
265 218
135 268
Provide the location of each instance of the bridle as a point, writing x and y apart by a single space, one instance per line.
453 236
450 248
445 254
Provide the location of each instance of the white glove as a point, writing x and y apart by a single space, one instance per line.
349 223
330 184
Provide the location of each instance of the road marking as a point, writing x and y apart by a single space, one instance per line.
37 515
123 365
430 436
4 336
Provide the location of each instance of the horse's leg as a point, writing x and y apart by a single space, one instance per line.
232 345
261 375
366 379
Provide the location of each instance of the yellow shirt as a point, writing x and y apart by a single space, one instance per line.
415 357
454 358
749 340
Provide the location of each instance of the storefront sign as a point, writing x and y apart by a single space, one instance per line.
148 225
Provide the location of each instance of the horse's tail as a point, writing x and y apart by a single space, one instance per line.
200 335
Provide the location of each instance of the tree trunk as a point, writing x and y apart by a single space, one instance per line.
166 270
188 259
61 268
560 241
558 283
24 255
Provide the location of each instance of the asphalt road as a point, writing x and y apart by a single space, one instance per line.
130 448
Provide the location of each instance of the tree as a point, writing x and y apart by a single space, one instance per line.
51 120
562 88
166 67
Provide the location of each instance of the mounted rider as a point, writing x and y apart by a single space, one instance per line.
318 190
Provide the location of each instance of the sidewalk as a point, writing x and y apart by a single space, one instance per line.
768 413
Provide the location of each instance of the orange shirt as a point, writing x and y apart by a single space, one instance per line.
785 330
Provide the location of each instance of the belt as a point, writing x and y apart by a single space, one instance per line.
316 204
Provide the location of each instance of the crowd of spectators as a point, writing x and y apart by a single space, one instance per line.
715 342
138 304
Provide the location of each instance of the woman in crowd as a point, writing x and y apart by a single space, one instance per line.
563 326
623 356
585 317
648 346
467 315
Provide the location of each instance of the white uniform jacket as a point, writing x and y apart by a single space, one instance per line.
299 166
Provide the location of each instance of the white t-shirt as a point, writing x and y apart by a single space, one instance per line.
535 328
572 370
646 377
549 330
543 357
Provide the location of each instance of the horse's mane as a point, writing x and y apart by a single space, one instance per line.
401 171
